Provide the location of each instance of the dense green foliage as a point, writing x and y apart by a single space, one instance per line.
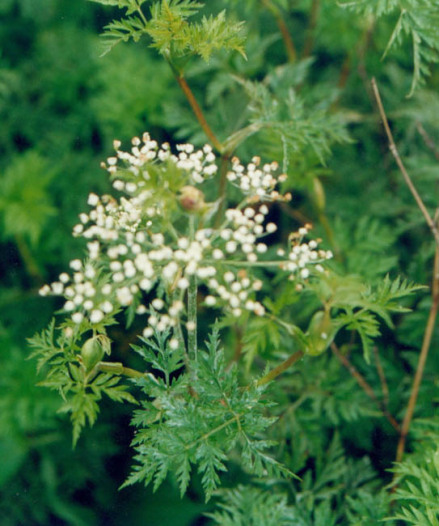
285 404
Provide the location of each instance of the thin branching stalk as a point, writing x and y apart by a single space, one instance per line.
364 385
396 156
229 422
382 376
286 36
427 140
426 343
345 72
142 16
309 42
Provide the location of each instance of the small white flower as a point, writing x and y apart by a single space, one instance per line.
69 306
131 187
145 284
183 283
148 332
106 289
118 185
57 288
118 277
76 264
158 303
44 290
173 344
229 277
304 273
96 316
231 247
93 200
88 305
90 272
259 309
124 296
77 317
107 307
64 277
210 300
170 270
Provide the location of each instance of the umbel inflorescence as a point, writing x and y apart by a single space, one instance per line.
148 246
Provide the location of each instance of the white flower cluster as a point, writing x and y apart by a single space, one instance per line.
199 164
257 182
132 247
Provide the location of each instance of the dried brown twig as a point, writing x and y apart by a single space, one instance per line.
396 156
428 334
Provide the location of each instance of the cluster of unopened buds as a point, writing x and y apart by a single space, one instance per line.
137 255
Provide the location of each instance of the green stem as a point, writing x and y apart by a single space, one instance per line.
192 316
274 373
222 187
215 430
119 369
142 16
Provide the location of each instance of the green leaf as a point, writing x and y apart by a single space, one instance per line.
121 31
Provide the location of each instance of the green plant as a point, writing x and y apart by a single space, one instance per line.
262 373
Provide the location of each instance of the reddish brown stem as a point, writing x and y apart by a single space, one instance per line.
380 370
364 385
197 111
309 42
426 343
288 41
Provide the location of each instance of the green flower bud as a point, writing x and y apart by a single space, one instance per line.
93 351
